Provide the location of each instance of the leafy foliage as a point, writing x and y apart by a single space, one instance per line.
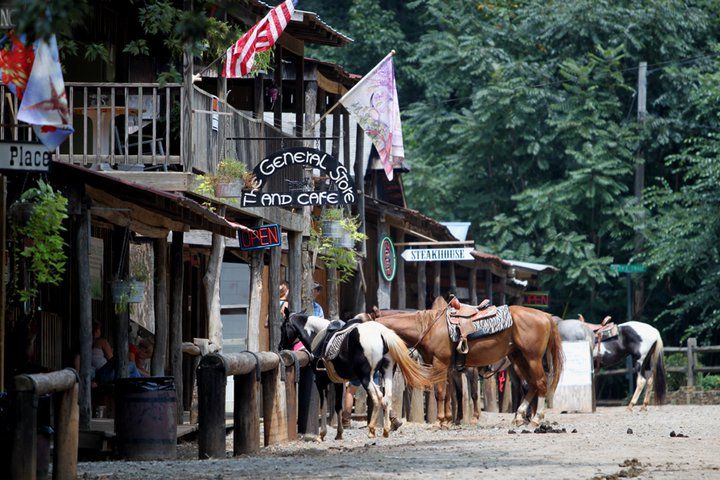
41 237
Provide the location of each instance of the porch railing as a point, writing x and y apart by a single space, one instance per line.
115 123
221 131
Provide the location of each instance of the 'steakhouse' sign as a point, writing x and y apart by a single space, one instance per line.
302 157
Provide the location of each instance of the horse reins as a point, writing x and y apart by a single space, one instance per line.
427 330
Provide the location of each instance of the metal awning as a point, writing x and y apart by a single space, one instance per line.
533 267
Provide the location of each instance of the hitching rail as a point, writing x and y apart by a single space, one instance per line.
27 390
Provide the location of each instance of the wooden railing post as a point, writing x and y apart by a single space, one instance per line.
291 379
67 418
274 406
24 454
246 438
212 381
691 344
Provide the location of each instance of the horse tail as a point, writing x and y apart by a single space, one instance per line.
555 355
416 375
659 382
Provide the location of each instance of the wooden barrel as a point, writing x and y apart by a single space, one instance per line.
146 418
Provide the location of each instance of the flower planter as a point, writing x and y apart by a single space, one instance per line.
332 229
127 291
229 190
345 240
20 213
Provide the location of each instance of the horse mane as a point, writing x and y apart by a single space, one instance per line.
439 303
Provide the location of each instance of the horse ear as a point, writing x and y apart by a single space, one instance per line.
582 319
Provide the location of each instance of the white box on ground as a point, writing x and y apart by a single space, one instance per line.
574 392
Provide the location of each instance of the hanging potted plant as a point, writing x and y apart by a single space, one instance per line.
231 178
37 230
138 280
338 252
331 223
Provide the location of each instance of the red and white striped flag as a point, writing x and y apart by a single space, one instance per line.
241 56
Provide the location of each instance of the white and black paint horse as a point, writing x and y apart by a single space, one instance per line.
640 341
367 348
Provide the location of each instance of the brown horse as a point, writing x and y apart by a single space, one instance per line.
533 337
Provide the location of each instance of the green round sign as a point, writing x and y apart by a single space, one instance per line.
387 258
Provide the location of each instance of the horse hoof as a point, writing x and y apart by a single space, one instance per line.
386 432
519 422
338 436
535 423
322 436
629 408
644 408
371 433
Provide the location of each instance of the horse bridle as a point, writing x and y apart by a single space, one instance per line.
413 349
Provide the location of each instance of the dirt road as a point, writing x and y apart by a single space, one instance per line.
486 451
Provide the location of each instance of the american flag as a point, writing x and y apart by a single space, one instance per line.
241 56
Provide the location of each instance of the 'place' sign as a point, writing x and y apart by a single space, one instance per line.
24 157
265 236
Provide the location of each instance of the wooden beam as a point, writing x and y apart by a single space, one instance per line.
65 444
436 280
274 320
137 213
121 269
186 104
247 421
299 95
82 254
292 44
165 181
433 243
330 86
421 286
332 297
177 268
489 286
123 219
383 290
400 277
255 305
453 279
295 271
472 286
277 79
360 181
161 307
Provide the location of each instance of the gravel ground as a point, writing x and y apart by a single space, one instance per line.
602 447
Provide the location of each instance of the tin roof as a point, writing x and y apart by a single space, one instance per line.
533 267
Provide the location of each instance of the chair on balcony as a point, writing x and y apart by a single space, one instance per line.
146 140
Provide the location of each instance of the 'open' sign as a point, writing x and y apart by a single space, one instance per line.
265 236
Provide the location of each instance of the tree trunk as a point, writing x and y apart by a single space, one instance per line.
211 282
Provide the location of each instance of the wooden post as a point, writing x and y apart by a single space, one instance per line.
176 317
308 270
360 181
278 77
472 286
274 320
453 279
186 105
275 428
383 291
400 277
82 253
211 409
332 284
308 403
161 307
211 283
256 292
291 400
3 293
417 406
489 286
346 139
299 94
490 394
337 137
247 422
431 413
65 456
121 263
691 345
436 281
503 282
421 289
295 274
24 447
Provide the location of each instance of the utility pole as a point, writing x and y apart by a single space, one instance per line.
639 185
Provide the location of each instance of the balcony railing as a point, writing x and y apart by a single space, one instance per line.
220 131
115 123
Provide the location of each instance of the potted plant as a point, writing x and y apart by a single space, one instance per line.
231 178
338 252
138 279
37 230
331 223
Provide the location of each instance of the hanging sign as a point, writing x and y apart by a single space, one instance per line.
437 254
24 157
265 236
387 259
536 299
343 194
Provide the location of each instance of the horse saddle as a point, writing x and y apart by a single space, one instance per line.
603 331
463 316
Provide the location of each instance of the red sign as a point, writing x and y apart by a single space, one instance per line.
536 299
265 236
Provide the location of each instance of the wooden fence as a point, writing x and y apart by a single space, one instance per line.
29 388
258 387
690 370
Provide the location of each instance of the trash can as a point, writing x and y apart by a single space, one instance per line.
146 418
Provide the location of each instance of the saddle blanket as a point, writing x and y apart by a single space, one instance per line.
333 344
485 327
